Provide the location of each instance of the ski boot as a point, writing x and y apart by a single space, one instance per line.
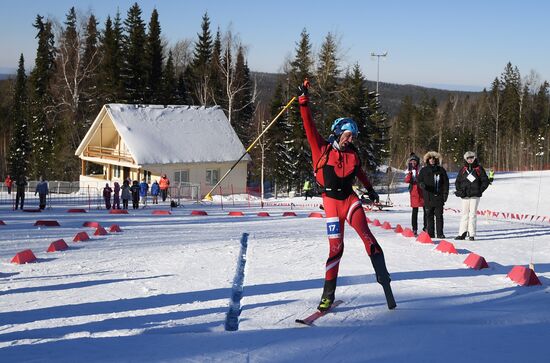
462 236
383 277
325 304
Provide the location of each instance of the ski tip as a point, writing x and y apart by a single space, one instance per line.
302 321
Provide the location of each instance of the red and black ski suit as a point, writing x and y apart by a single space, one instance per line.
335 171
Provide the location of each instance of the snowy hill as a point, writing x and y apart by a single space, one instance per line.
159 291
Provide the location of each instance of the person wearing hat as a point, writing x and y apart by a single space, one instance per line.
470 184
336 164
417 200
434 182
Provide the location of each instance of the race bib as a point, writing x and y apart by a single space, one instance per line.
333 227
471 177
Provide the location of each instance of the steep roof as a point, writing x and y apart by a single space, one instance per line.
156 134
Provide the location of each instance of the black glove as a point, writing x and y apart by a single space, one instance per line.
373 196
303 89
458 194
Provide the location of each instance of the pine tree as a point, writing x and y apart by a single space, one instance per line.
20 147
300 69
42 113
135 67
325 92
243 100
155 59
216 75
110 83
89 105
169 82
199 71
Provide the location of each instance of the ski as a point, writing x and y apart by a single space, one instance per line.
389 296
316 315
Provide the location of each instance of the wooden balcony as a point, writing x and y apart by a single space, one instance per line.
108 153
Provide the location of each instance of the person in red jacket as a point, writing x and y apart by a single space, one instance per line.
8 183
164 183
336 164
417 200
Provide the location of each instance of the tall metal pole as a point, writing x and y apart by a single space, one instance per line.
378 67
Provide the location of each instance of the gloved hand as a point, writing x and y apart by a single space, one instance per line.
303 89
373 196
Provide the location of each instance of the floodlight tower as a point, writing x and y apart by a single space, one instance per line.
378 67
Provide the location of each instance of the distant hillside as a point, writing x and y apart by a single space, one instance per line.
391 94
6 76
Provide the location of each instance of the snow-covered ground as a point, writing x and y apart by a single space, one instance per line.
159 291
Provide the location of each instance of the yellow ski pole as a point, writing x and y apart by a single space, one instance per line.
208 195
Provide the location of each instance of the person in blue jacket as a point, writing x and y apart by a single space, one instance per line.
155 190
143 189
42 190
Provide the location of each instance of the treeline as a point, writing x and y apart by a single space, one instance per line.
336 91
79 68
508 125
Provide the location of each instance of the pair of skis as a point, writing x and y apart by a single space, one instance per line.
316 315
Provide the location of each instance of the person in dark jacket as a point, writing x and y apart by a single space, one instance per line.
126 194
417 199
20 191
135 194
107 195
155 190
434 182
470 184
116 196
42 190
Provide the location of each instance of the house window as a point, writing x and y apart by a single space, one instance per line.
117 171
147 176
212 176
181 176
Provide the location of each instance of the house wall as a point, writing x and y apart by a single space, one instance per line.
197 175
235 182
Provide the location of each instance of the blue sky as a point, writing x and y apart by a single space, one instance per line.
459 44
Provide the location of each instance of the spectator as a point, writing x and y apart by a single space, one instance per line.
8 183
116 196
491 175
470 183
135 194
107 195
143 189
434 182
164 184
126 194
417 200
20 192
42 190
307 189
155 190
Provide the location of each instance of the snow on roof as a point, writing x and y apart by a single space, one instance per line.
155 134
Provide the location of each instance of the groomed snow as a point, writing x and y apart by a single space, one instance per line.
159 291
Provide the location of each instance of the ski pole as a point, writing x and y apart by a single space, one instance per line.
208 195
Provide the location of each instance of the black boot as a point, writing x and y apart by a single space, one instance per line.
328 295
461 236
383 277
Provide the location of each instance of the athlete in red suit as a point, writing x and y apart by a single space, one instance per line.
336 164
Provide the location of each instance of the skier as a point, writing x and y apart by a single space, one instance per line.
434 182
417 200
470 183
42 190
336 164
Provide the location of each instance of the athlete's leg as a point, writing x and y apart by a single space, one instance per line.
335 234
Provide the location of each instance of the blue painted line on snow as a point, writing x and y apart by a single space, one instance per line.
232 317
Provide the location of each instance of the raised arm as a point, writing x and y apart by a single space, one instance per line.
315 140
